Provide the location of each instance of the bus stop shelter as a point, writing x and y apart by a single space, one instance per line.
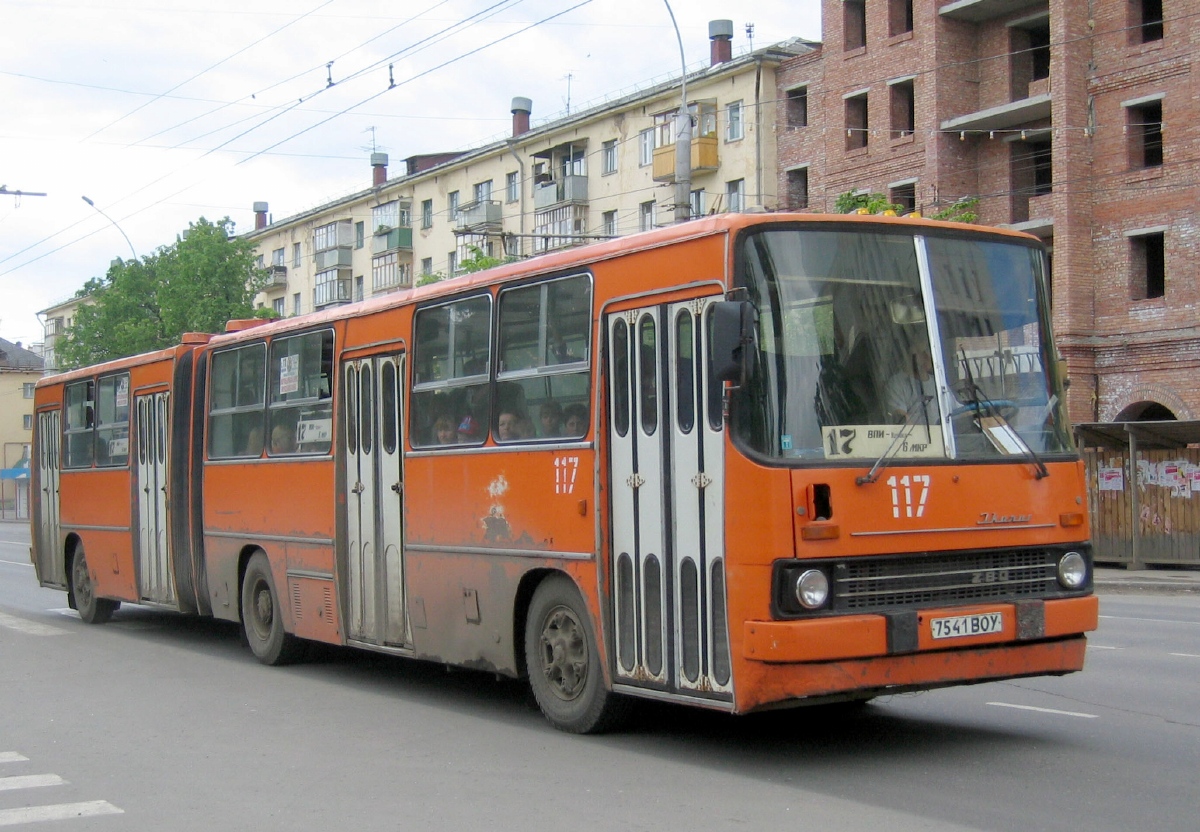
1143 491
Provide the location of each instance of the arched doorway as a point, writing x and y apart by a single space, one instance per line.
1145 412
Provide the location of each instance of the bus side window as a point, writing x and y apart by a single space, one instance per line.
452 357
544 336
235 422
78 426
301 411
112 426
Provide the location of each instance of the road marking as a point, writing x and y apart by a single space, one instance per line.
29 628
1103 647
1150 620
67 611
1185 655
60 811
16 562
29 781
12 757
1044 710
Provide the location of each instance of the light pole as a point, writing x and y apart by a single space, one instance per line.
114 223
683 138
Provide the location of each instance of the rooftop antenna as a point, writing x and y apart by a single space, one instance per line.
375 146
568 78
750 35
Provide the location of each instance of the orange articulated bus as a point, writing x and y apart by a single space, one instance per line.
746 462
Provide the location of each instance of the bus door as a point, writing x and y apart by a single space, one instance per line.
50 552
374 596
667 481
156 576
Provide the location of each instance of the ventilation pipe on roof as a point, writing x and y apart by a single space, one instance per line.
521 108
260 215
379 162
720 33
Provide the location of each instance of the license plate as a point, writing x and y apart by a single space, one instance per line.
982 624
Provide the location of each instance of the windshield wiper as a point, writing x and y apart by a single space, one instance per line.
1001 434
905 430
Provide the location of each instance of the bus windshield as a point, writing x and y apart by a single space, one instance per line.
885 344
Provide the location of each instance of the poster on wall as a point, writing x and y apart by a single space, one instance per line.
1111 479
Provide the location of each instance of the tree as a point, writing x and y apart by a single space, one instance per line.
851 202
205 279
477 262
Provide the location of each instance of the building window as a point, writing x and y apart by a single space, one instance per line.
735 194
797 189
1146 21
325 237
385 217
358 287
512 186
427 213
904 195
296 303
797 107
1148 265
646 216
277 257
608 157
482 191
296 255
452 263
854 24
1029 48
385 272
331 286
735 128
277 307
1145 134
697 201
359 234
27 389
452 206
856 121
900 17
27 421
904 108
426 265
646 147
608 223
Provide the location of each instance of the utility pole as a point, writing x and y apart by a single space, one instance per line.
683 137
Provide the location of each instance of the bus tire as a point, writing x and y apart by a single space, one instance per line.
83 598
564 665
262 618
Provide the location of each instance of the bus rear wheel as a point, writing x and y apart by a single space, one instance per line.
92 610
564 666
262 618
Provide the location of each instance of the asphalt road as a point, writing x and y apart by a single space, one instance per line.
157 721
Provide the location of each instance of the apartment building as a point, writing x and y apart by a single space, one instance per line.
603 172
1074 121
20 370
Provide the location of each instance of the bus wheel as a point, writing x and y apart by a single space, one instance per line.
262 618
564 665
91 609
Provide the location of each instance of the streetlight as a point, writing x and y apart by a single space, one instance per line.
114 222
683 137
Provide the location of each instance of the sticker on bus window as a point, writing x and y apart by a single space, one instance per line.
289 374
314 430
122 392
873 441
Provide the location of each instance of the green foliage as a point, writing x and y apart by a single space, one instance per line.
195 285
477 262
850 202
963 210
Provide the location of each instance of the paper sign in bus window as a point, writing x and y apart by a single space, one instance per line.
289 374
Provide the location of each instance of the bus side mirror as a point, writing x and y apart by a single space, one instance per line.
734 335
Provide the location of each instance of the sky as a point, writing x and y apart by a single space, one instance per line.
164 112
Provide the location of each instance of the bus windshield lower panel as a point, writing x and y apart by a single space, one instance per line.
852 365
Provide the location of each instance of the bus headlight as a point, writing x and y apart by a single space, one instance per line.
1072 570
812 589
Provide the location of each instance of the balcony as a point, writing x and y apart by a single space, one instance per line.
393 239
567 190
481 217
1005 116
977 11
333 287
332 258
276 276
705 158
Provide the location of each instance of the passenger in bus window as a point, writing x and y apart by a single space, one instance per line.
508 427
444 432
551 416
254 442
283 438
575 422
468 430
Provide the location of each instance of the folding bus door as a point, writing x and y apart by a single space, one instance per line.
50 553
666 446
156 575
374 595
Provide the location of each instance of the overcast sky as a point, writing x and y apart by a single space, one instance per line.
163 112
